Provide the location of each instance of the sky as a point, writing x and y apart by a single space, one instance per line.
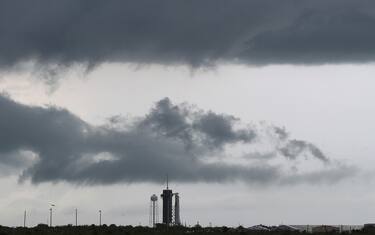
258 111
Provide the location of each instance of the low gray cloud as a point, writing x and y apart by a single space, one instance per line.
295 148
183 122
330 176
169 139
60 34
219 129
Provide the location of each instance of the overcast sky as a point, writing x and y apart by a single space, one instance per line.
259 112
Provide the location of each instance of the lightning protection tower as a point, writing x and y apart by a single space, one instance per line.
154 211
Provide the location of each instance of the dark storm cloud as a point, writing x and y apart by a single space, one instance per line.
167 140
215 130
219 129
195 32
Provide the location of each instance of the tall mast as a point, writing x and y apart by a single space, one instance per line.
167 181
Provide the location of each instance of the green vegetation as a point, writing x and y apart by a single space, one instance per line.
43 229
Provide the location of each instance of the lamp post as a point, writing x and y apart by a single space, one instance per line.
100 217
76 213
50 215
24 219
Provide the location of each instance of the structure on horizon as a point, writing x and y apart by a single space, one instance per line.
171 215
177 220
154 211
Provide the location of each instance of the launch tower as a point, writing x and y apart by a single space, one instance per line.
167 205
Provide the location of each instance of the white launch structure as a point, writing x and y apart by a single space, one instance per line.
176 219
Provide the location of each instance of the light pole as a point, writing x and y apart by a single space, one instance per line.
50 215
100 217
24 219
76 216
